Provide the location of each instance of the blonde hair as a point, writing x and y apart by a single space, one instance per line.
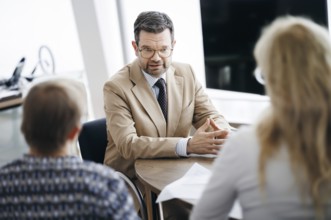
294 55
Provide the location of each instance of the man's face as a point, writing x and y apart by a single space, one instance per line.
156 64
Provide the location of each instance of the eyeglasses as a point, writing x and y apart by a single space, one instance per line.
149 53
259 76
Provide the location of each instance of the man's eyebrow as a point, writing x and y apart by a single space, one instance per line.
148 47
145 47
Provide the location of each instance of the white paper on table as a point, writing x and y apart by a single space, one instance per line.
191 187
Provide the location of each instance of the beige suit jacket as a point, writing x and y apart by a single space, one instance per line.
135 123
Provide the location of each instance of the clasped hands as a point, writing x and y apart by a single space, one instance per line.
207 142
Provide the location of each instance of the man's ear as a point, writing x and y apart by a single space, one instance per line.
173 44
74 132
135 47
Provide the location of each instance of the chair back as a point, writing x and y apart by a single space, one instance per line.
93 143
93 140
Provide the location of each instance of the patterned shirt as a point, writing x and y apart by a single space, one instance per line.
62 188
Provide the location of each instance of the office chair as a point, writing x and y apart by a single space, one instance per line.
93 142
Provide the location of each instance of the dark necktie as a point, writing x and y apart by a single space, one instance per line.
162 98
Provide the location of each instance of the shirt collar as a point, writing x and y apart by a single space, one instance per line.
152 80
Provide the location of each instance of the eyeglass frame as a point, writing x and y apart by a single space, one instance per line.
259 76
158 52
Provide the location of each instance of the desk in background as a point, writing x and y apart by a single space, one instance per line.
10 99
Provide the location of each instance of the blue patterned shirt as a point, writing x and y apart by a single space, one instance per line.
62 188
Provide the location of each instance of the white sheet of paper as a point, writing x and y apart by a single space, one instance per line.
191 186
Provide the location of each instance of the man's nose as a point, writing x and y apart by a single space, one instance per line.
156 56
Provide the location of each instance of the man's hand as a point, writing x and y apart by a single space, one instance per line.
204 142
216 128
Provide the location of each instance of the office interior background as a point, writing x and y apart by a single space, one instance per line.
91 40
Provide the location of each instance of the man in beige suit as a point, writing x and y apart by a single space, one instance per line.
137 126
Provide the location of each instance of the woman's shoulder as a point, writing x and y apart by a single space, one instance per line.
242 143
245 135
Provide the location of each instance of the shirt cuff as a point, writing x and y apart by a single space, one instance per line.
181 147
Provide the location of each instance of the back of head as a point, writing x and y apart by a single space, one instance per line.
294 55
51 110
153 22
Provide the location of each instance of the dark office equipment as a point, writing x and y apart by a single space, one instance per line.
232 27
12 82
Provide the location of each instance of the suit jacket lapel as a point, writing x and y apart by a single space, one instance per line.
146 97
175 95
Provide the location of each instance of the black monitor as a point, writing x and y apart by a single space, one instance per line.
232 27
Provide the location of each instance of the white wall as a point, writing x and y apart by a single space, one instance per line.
25 25
93 52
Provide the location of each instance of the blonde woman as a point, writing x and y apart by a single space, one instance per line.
281 168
